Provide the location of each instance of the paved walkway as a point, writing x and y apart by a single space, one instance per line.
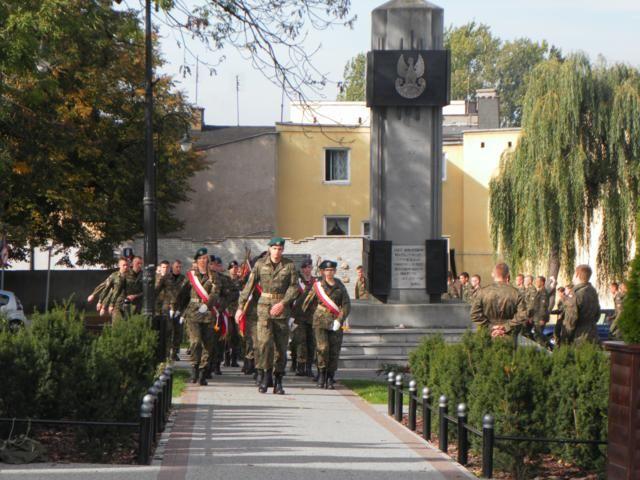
229 431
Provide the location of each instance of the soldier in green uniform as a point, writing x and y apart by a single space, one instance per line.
113 281
202 294
303 333
221 323
330 304
465 287
126 297
540 310
278 280
582 310
618 302
453 292
169 283
251 326
520 283
362 284
233 343
475 282
499 306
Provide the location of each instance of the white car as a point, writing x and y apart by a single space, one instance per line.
11 308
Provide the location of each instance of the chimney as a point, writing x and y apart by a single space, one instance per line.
488 108
197 121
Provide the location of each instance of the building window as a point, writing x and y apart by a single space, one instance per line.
445 160
336 165
336 225
481 144
366 229
510 144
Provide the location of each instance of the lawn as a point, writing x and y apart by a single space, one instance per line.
180 378
372 391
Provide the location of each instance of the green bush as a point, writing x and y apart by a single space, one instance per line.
629 321
20 377
420 358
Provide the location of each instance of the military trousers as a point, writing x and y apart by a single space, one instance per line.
328 345
200 343
169 333
273 337
178 332
250 336
305 342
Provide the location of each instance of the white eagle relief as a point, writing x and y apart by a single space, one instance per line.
411 83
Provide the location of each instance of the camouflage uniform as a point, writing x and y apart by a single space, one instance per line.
618 302
115 296
581 314
303 334
328 342
499 304
540 313
168 288
217 339
466 292
234 341
362 289
279 284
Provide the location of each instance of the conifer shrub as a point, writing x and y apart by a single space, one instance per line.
420 357
629 321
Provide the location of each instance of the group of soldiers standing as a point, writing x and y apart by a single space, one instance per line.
526 307
251 311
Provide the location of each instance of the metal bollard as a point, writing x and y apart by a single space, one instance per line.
398 400
169 372
146 422
413 405
488 438
463 442
444 424
160 412
426 413
166 394
155 426
390 394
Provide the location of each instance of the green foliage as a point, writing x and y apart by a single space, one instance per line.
71 117
528 391
55 370
352 87
629 321
577 156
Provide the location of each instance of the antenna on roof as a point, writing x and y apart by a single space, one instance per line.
238 99
197 77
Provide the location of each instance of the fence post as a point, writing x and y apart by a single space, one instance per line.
155 426
390 394
463 443
169 372
164 380
488 437
399 397
426 413
160 413
144 442
413 405
444 424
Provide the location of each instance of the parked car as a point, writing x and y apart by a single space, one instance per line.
602 325
11 309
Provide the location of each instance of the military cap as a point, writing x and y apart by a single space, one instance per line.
276 241
328 264
306 263
215 259
127 252
200 252
232 264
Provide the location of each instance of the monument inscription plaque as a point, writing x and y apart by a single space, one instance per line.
408 267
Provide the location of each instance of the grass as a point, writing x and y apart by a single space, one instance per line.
372 391
180 377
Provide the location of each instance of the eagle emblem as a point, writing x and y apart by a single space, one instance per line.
411 83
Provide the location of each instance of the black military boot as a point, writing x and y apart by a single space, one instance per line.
277 388
330 381
301 372
227 358
266 382
195 374
322 377
203 378
216 369
259 377
252 366
234 358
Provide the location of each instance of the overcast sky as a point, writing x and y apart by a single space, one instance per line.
610 28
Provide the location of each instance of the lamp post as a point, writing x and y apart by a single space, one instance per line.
149 200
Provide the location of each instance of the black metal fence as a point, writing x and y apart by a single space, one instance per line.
154 413
395 406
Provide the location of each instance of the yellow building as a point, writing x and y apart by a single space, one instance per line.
323 184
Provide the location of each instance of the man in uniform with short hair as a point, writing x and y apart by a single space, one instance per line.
362 284
113 282
499 306
168 287
475 286
582 310
465 287
303 333
233 343
278 280
540 310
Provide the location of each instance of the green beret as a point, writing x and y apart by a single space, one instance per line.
328 264
279 241
200 252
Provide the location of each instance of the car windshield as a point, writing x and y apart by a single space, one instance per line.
4 300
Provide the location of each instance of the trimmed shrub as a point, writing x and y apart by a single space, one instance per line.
629 321
420 358
20 376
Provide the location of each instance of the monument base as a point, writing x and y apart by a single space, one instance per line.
414 315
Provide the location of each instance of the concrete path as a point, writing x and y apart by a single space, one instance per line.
229 431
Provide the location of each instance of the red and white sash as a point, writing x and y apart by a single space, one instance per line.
326 299
197 286
301 285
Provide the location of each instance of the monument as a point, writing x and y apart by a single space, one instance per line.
408 83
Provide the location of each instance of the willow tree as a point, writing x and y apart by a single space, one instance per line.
576 161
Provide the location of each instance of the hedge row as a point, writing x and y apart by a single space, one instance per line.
56 370
528 391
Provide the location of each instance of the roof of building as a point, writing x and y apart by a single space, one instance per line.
214 136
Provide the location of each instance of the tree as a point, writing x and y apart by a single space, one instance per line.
474 52
514 63
71 118
576 162
352 87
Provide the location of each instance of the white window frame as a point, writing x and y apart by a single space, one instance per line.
324 167
362 228
324 227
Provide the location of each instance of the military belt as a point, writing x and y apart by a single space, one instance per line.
273 296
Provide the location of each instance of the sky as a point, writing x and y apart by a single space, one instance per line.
610 29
